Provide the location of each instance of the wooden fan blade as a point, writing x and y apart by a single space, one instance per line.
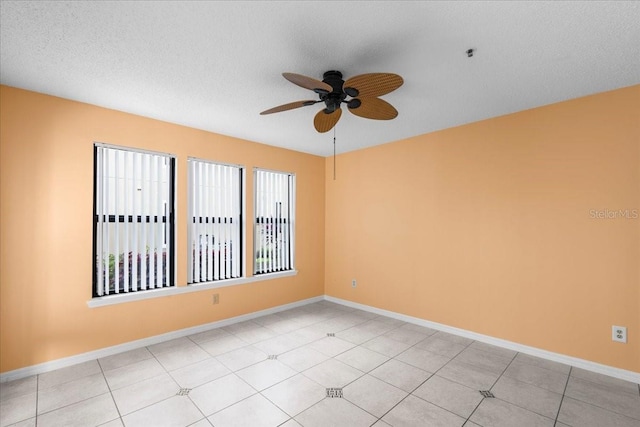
289 106
375 108
374 84
324 122
307 82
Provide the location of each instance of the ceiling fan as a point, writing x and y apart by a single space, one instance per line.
359 93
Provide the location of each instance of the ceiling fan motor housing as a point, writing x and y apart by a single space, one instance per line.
333 99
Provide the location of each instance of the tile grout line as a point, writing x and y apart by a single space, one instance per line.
355 379
602 407
493 385
611 388
278 334
66 382
232 372
146 379
37 396
555 422
427 379
241 400
204 417
528 409
517 380
302 372
386 361
404 398
113 399
179 386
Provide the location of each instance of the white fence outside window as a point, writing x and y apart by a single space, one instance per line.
133 220
215 227
274 207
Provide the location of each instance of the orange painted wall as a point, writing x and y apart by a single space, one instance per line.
488 227
485 227
46 173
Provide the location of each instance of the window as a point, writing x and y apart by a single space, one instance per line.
215 221
133 228
274 221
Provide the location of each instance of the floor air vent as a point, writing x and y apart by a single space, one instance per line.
272 356
331 334
334 392
183 392
486 393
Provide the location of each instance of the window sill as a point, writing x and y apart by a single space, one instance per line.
178 290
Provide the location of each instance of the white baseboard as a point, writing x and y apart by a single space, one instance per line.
532 351
132 345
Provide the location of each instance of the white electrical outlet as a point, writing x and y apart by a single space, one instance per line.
354 283
619 333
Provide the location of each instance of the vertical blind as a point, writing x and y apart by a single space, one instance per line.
274 221
133 226
215 221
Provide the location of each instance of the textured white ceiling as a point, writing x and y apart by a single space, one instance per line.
216 65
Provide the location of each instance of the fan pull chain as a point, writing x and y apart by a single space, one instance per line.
334 153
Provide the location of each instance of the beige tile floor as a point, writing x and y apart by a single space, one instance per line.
275 371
